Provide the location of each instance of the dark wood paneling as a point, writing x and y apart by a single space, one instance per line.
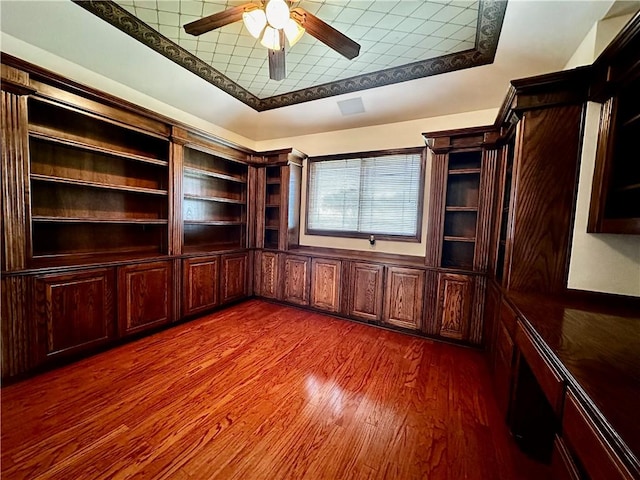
260 200
269 278
176 231
17 326
14 173
365 291
562 464
144 296
431 324
326 284
503 368
545 189
476 328
200 284
403 297
75 311
485 210
491 319
296 279
437 195
455 294
233 277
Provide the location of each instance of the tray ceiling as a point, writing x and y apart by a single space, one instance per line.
400 41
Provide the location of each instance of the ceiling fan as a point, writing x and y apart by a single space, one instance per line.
273 21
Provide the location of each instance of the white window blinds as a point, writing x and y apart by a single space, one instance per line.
371 195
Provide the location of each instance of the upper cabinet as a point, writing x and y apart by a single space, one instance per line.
462 181
615 197
278 199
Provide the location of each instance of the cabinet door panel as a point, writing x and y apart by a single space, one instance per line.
503 368
455 294
75 311
365 292
403 297
269 275
144 296
326 284
234 277
200 284
296 280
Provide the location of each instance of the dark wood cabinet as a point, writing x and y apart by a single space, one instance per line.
455 297
75 311
503 368
233 276
144 296
269 275
403 296
326 284
296 279
200 280
366 291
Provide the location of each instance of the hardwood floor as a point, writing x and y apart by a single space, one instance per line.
262 391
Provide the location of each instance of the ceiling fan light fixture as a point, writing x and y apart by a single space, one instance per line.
271 38
293 31
254 21
277 13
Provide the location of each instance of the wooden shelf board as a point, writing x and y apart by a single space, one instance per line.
211 247
193 171
271 227
273 182
459 239
67 139
461 209
103 256
190 196
103 186
134 221
628 188
464 171
272 205
632 120
219 223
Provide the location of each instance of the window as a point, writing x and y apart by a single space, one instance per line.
357 195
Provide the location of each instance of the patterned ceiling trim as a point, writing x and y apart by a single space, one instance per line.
490 18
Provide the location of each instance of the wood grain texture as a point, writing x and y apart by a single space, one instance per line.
544 198
293 203
176 182
431 323
270 273
296 279
18 326
144 296
200 284
455 297
326 284
263 391
15 189
403 297
485 210
233 277
476 328
75 311
437 195
366 291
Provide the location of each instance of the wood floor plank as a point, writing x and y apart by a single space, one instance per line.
259 391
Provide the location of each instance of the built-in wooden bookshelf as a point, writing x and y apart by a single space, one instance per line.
272 206
214 202
99 188
461 209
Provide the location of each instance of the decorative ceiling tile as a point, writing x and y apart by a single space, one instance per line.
400 41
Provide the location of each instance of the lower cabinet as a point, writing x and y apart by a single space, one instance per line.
144 296
403 297
200 284
326 284
296 279
365 291
74 311
455 295
503 368
233 277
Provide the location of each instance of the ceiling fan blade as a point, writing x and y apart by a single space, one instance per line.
277 67
218 20
326 33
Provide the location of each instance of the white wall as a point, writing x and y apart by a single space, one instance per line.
599 262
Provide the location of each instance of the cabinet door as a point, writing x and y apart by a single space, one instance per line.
365 291
200 284
403 297
503 368
75 311
325 284
296 279
233 283
455 293
144 297
269 275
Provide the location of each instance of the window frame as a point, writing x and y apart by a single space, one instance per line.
417 238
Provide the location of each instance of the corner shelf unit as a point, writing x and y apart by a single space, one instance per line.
272 206
214 202
98 187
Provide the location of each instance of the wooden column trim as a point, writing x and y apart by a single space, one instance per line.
435 228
